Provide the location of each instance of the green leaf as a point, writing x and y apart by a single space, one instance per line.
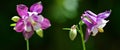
13 24
40 32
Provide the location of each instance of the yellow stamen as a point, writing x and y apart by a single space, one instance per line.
32 21
100 30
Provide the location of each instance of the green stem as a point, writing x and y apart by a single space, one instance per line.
83 42
27 44
82 37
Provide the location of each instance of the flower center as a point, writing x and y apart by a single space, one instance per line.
33 23
31 19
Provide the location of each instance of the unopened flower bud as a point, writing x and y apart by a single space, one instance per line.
73 32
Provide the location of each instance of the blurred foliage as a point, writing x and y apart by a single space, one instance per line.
61 13
61 10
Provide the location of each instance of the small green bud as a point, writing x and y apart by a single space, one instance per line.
15 18
73 32
39 32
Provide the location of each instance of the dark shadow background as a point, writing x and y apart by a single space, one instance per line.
61 13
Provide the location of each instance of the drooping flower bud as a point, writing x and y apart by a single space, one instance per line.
73 32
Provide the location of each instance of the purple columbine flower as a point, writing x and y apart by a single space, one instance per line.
95 23
30 21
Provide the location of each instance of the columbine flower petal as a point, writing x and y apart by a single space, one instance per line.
22 10
90 13
45 23
38 18
87 21
94 31
37 7
27 35
28 26
19 26
101 23
91 16
104 14
88 32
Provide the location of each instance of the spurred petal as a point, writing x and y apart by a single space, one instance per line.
101 23
45 23
19 26
22 10
88 32
37 7
90 17
86 21
104 14
27 35
90 13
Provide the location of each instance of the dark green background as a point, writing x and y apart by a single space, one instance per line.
61 13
